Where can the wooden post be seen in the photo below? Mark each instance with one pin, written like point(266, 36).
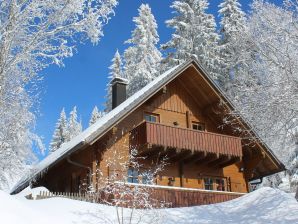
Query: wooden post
point(181, 173)
point(188, 119)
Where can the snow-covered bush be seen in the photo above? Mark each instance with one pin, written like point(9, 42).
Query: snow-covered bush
point(127, 185)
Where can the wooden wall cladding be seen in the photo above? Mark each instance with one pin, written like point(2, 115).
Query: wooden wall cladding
point(174, 98)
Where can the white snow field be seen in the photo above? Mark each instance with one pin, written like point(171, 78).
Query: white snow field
point(265, 205)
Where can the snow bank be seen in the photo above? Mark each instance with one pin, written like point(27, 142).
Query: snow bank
point(15, 211)
point(265, 205)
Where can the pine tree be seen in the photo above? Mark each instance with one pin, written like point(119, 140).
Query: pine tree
point(232, 26)
point(95, 115)
point(74, 127)
point(194, 36)
point(116, 71)
point(60, 135)
point(142, 58)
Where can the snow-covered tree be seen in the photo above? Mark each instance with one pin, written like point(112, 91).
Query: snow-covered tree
point(194, 35)
point(95, 115)
point(116, 71)
point(232, 26)
point(16, 137)
point(142, 58)
point(293, 158)
point(33, 35)
point(266, 89)
point(61, 134)
point(74, 126)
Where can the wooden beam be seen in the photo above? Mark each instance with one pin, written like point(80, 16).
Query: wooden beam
point(169, 153)
point(212, 108)
point(195, 157)
point(209, 158)
point(147, 150)
point(180, 156)
point(252, 164)
point(163, 152)
point(229, 162)
point(220, 160)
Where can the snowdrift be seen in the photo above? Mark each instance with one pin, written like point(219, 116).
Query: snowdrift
point(265, 205)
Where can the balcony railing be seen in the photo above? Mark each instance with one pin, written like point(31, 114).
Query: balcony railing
point(155, 134)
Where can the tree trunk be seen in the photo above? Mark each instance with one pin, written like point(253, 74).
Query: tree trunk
point(296, 196)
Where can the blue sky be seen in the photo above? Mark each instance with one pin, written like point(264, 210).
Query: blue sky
point(83, 80)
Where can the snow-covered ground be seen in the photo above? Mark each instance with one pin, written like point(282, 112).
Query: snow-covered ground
point(265, 205)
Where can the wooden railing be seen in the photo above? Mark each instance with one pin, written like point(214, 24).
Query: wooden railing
point(160, 195)
point(191, 197)
point(87, 197)
point(181, 138)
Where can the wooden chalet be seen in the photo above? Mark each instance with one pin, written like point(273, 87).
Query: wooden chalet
point(178, 116)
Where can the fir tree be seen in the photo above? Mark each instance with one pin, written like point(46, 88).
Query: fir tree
point(194, 35)
point(95, 115)
point(142, 58)
point(116, 71)
point(232, 26)
point(74, 126)
point(60, 135)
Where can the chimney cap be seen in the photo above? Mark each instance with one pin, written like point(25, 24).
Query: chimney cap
point(119, 80)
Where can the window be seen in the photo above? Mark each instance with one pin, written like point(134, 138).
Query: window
point(151, 117)
point(198, 126)
point(208, 182)
point(220, 184)
point(216, 183)
point(132, 175)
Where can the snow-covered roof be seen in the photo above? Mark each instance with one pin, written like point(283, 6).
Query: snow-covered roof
point(105, 123)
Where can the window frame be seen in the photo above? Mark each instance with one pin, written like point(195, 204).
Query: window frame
point(208, 185)
point(198, 124)
point(217, 183)
point(132, 177)
point(157, 117)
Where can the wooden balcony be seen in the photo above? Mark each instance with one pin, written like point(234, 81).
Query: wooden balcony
point(190, 144)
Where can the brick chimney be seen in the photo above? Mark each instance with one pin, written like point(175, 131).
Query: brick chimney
point(118, 91)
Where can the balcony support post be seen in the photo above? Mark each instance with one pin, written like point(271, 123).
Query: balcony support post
point(181, 172)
